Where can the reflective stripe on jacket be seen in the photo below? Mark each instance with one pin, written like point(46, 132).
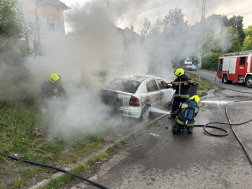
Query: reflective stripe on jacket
point(181, 111)
point(182, 89)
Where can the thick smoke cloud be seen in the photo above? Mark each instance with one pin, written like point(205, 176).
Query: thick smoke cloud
point(90, 57)
point(87, 60)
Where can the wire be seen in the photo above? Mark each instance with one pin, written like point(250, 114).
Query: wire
point(56, 168)
point(147, 9)
point(194, 12)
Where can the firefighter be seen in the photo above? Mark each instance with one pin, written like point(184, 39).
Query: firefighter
point(185, 117)
point(182, 90)
point(51, 89)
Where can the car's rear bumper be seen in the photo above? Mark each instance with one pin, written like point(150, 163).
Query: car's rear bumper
point(130, 111)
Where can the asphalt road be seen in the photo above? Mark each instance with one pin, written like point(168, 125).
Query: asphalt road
point(160, 159)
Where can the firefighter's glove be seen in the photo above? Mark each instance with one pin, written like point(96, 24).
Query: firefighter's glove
point(169, 86)
point(191, 82)
point(196, 83)
point(173, 83)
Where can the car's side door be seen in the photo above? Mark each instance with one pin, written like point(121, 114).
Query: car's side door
point(166, 93)
point(154, 93)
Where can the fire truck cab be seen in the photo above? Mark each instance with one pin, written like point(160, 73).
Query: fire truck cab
point(236, 67)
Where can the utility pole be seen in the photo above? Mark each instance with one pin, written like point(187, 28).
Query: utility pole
point(107, 2)
point(202, 33)
point(36, 40)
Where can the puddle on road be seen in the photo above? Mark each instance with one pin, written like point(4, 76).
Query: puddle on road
point(154, 135)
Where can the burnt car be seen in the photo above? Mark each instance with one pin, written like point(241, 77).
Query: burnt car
point(134, 95)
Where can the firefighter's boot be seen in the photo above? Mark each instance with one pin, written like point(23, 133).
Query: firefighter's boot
point(190, 129)
point(175, 129)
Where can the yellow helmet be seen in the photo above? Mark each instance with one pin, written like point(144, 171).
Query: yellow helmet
point(54, 77)
point(196, 98)
point(179, 72)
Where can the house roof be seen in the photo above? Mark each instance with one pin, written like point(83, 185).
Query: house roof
point(56, 3)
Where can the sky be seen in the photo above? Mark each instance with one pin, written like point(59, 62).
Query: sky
point(223, 7)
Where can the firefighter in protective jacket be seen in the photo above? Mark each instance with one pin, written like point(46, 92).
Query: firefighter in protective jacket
point(182, 90)
point(184, 118)
point(51, 89)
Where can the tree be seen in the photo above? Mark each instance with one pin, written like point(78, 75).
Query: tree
point(210, 60)
point(174, 18)
point(12, 29)
point(215, 22)
point(174, 23)
point(237, 23)
point(225, 40)
point(248, 31)
point(168, 41)
point(145, 32)
point(247, 44)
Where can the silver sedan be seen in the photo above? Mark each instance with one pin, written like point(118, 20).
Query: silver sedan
point(135, 95)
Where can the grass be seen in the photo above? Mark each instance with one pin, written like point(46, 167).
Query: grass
point(59, 182)
point(26, 139)
point(26, 174)
point(204, 84)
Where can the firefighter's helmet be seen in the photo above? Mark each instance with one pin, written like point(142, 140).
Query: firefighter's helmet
point(54, 77)
point(179, 72)
point(196, 98)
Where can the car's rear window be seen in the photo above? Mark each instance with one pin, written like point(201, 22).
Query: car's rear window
point(124, 85)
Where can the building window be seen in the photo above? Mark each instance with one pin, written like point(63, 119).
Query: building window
point(242, 61)
point(50, 25)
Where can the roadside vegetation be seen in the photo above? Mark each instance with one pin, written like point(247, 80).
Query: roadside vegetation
point(93, 161)
point(25, 139)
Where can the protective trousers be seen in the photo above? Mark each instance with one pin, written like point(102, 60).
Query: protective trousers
point(176, 103)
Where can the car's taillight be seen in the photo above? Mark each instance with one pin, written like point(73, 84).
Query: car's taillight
point(133, 101)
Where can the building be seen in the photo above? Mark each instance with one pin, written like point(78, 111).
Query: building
point(49, 15)
point(129, 36)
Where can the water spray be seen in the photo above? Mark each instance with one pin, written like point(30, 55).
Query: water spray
point(159, 111)
point(215, 102)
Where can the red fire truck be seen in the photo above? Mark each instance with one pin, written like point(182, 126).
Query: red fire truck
point(236, 67)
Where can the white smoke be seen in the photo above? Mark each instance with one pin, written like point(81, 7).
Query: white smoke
point(93, 54)
point(87, 60)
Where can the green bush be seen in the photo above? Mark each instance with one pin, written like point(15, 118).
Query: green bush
point(210, 61)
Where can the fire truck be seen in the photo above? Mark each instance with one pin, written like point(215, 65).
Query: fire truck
point(236, 67)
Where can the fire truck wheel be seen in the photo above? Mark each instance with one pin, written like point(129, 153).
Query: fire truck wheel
point(248, 82)
point(225, 80)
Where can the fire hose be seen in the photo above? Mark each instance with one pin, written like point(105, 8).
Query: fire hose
point(52, 167)
point(208, 125)
point(56, 168)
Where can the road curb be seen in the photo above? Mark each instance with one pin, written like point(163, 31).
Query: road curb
point(104, 148)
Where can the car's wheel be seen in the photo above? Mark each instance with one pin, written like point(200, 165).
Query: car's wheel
point(225, 80)
point(145, 113)
point(248, 81)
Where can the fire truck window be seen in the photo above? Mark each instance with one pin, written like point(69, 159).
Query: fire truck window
point(242, 61)
point(220, 66)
